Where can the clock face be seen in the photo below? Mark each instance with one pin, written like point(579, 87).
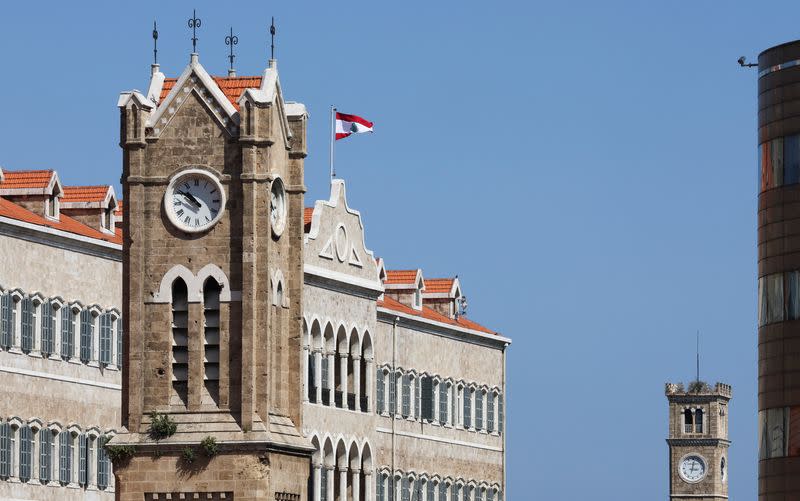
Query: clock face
point(693, 468)
point(194, 200)
point(277, 207)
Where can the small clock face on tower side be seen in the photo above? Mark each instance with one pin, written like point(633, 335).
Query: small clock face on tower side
point(194, 200)
point(692, 468)
point(277, 207)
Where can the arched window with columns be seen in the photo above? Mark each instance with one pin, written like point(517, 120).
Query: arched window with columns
point(367, 364)
point(340, 368)
point(328, 366)
point(354, 371)
point(688, 421)
point(180, 343)
point(211, 338)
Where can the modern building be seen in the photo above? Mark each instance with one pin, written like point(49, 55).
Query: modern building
point(698, 441)
point(263, 324)
point(779, 272)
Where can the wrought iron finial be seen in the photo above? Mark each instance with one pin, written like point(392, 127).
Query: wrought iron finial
point(231, 40)
point(744, 64)
point(272, 33)
point(194, 23)
point(155, 43)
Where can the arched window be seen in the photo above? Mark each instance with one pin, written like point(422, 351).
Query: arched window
point(406, 394)
point(380, 389)
point(6, 321)
point(105, 338)
point(425, 397)
point(27, 324)
point(490, 412)
point(83, 460)
point(180, 340)
point(67, 332)
point(698, 421)
point(6, 450)
point(87, 333)
point(211, 292)
point(47, 329)
point(45, 455)
point(479, 409)
point(468, 407)
point(392, 393)
point(722, 472)
point(688, 422)
point(443, 392)
point(25, 453)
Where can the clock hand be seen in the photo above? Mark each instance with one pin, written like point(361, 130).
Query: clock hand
point(190, 197)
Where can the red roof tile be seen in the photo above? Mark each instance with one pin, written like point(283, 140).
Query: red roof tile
point(232, 87)
point(401, 277)
point(23, 179)
point(430, 314)
point(84, 193)
point(439, 285)
point(308, 213)
point(65, 223)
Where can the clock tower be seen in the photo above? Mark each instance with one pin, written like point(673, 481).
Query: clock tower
point(698, 441)
point(212, 283)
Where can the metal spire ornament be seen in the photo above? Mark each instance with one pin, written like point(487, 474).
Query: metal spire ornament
point(155, 43)
point(231, 40)
point(194, 23)
point(272, 33)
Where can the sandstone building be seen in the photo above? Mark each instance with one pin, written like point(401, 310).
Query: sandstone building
point(240, 314)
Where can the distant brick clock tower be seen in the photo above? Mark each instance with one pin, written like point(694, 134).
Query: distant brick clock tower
point(698, 441)
point(213, 275)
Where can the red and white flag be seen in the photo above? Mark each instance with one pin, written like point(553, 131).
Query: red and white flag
point(351, 124)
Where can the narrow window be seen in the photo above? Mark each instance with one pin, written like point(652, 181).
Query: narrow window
point(443, 403)
point(456, 492)
point(380, 492)
point(479, 494)
point(429, 490)
point(105, 338)
point(468, 408)
point(87, 332)
point(417, 397)
point(775, 298)
point(25, 449)
point(379, 389)
point(762, 301)
point(45, 455)
point(688, 422)
point(392, 393)
point(490, 494)
point(418, 490)
point(47, 329)
point(65, 457)
point(6, 450)
point(791, 159)
point(426, 397)
point(6, 321)
point(325, 380)
point(793, 301)
point(103, 463)
point(442, 491)
point(722, 473)
point(119, 343)
point(479, 409)
point(405, 490)
point(698, 421)
point(323, 487)
point(27, 324)
point(406, 392)
point(490, 413)
point(776, 145)
point(83, 463)
point(67, 330)
point(500, 416)
point(311, 384)
point(180, 340)
point(211, 292)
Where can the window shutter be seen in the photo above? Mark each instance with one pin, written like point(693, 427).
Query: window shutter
point(405, 385)
point(379, 390)
point(390, 488)
point(45, 441)
point(64, 457)
point(86, 336)
point(467, 408)
point(119, 342)
point(427, 398)
point(378, 488)
point(102, 463)
point(5, 450)
point(323, 484)
point(67, 328)
point(27, 325)
point(417, 397)
point(443, 403)
point(47, 329)
point(479, 410)
point(404, 491)
point(490, 413)
point(6, 324)
point(325, 384)
point(442, 491)
point(25, 453)
point(500, 413)
point(105, 338)
point(429, 490)
point(392, 393)
point(82, 470)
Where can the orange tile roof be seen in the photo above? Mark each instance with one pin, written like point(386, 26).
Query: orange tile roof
point(65, 223)
point(430, 314)
point(23, 179)
point(232, 87)
point(401, 276)
point(439, 285)
point(84, 193)
point(308, 214)
point(118, 210)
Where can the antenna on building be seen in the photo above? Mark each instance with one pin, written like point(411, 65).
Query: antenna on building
point(744, 64)
point(194, 23)
point(231, 40)
point(698, 355)
point(272, 34)
point(155, 43)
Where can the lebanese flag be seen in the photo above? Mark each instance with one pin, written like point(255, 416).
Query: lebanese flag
point(350, 124)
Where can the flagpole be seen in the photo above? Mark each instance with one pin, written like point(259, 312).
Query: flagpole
point(333, 139)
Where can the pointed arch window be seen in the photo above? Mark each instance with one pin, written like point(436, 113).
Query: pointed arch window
point(180, 340)
point(688, 421)
point(211, 293)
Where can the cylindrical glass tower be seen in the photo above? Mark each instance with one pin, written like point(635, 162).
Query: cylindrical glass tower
point(779, 272)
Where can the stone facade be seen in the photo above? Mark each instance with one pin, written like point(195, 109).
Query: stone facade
point(698, 428)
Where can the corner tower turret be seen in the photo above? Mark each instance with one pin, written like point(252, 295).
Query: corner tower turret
point(213, 190)
point(698, 441)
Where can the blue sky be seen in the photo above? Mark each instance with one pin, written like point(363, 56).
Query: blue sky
point(587, 168)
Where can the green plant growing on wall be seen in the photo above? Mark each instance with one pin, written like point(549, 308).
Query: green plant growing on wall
point(210, 446)
point(161, 426)
point(120, 453)
point(188, 454)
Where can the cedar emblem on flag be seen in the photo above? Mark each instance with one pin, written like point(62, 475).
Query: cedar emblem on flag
point(351, 124)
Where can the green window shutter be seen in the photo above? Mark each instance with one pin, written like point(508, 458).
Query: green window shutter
point(6, 321)
point(27, 325)
point(379, 390)
point(45, 448)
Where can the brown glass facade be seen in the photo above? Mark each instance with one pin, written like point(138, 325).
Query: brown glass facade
point(779, 272)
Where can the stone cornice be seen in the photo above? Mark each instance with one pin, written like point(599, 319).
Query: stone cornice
point(699, 442)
